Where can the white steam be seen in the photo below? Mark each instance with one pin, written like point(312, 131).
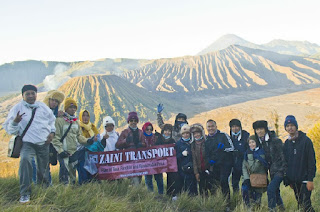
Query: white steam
point(59, 77)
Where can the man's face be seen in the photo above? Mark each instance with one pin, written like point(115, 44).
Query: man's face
point(235, 129)
point(261, 132)
point(291, 128)
point(29, 96)
point(53, 103)
point(71, 110)
point(133, 123)
point(211, 127)
point(85, 117)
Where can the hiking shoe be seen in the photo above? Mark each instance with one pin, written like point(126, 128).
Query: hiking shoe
point(174, 198)
point(24, 199)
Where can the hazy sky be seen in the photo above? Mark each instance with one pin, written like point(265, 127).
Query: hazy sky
point(71, 30)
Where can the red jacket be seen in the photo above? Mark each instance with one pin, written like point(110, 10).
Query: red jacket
point(122, 140)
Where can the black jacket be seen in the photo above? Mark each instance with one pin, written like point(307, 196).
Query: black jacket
point(240, 148)
point(219, 155)
point(274, 155)
point(300, 157)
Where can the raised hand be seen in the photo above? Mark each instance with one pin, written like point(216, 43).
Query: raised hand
point(160, 108)
point(18, 118)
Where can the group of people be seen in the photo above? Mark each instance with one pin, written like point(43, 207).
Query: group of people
point(205, 161)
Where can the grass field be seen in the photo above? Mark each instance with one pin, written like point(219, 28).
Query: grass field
point(121, 196)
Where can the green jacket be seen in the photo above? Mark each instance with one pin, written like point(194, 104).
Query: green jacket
point(73, 138)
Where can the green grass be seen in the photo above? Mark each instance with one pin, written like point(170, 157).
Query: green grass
point(121, 196)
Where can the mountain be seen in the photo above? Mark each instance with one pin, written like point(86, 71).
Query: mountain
point(226, 41)
point(298, 48)
point(51, 75)
point(111, 95)
point(224, 71)
point(292, 47)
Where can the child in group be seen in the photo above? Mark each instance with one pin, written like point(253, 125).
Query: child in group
point(185, 163)
point(254, 163)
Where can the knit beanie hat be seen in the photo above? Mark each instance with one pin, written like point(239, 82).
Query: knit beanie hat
point(235, 122)
point(132, 115)
point(108, 120)
point(146, 125)
point(253, 137)
point(68, 102)
point(260, 124)
point(185, 128)
point(54, 94)
point(290, 119)
point(29, 87)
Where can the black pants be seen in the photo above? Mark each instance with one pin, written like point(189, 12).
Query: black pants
point(204, 184)
point(303, 196)
point(172, 183)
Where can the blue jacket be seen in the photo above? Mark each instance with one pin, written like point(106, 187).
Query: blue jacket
point(183, 160)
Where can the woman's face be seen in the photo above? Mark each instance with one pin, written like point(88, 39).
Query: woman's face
point(186, 135)
point(148, 130)
point(167, 133)
point(85, 117)
point(53, 103)
point(252, 144)
point(197, 135)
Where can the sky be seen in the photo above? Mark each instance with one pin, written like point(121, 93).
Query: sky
point(77, 30)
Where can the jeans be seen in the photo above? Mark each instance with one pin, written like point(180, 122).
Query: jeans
point(41, 154)
point(63, 172)
point(303, 196)
point(34, 172)
point(159, 180)
point(250, 195)
point(83, 175)
point(273, 192)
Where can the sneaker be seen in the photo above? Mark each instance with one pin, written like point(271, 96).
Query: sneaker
point(174, 198)
point(24, 199)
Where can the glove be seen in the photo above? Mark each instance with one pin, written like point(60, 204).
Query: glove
point(90, 141)
point(64, 154)
point(286, 181)
point(185, 153)
point(220, 145)
point(212, 162)
point(129, 139)
point(207, 172)
point(160, 108)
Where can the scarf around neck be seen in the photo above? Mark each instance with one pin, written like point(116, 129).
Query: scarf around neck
point(88, 127)
point(69, 119)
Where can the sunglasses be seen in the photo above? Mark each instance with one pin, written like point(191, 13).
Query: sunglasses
point(149, 129)
point(133, 120)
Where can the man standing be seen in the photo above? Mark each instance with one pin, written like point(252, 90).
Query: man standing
point(239, 139)
point(272, 146)
point(36, 139)
point(300, 157)
point(219, 148)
